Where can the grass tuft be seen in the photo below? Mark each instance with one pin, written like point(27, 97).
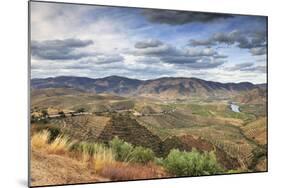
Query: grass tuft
point(40, 140)
point(102, 156)
point(60, 145)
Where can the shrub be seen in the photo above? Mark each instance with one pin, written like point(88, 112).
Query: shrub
point(235, 171)
point(122, 150)
point(62, 114)
point(126, 152)
point(191, 163)
point(33, 119)
point(54, 132)
point(45, 113)
point(159, 161)
point(80, 110)
point(142, 155)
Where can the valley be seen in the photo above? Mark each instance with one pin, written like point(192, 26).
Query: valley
point(158, 119)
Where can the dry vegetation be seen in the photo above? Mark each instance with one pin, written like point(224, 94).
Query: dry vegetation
point(123, 171)
point(52, 169)
point(69, 150)
point(256, 130)
point(63, 162)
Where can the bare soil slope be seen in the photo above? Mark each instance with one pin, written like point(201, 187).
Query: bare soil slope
point(55, 169)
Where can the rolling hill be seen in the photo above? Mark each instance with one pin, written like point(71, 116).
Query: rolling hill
point(166, 87)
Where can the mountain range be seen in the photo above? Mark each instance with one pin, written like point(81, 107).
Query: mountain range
point(165, 87)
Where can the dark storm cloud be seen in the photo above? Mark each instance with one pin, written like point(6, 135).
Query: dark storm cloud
point(106, 61)
point(179, 59)
point(149, 48)
point(201, 42)
point(59, 49)
point(205, 65)
point(203, 52)
point(247, 67)
point(198, 62)
point(103, 59)
point(172, 17)
point(193, 58)
point(254, 41)
point(148, 44)
point(97, 60)
point(258, 51)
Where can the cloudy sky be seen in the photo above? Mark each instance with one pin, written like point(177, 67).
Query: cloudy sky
point(98, 41)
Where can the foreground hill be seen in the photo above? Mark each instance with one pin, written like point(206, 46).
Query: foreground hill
point(167, 87)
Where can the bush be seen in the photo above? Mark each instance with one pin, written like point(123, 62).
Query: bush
point(126, 152)
point(142, 155)
point(191, 163)
point(62, 114)
point(122, 150)
point(159, 161)
point(80, 110)
point(45, 114)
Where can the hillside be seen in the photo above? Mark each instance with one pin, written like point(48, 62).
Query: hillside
point(165, 88)
point(159, 115)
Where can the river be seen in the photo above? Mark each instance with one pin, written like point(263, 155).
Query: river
point(234, 107)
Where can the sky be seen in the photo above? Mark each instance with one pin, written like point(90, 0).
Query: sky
point(101, 41)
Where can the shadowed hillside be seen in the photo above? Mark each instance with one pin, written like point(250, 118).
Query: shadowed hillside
point(131, 131)
point(167, 87)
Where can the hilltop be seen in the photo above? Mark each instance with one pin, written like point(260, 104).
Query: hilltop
point(165, 88)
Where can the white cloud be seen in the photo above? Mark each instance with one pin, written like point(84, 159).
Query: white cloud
point(114, 49)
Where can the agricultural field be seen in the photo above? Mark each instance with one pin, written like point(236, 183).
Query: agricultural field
point(237, 141)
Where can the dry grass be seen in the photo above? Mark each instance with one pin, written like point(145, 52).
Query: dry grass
point(122, 171)
point(56, 162)
point(40, 140)
point(51, 169)
point(102, 157)
point(261, 165)
point(60, 145)
point(257, 130)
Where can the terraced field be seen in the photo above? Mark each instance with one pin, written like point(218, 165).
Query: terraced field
point(239, 139)
point(240, 135)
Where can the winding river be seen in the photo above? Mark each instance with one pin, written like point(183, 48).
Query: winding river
point(234, 107)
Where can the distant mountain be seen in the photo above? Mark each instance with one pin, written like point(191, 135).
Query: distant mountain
point(111, 84)
point(262, 86)
point(257, 95)
point(166, 87)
